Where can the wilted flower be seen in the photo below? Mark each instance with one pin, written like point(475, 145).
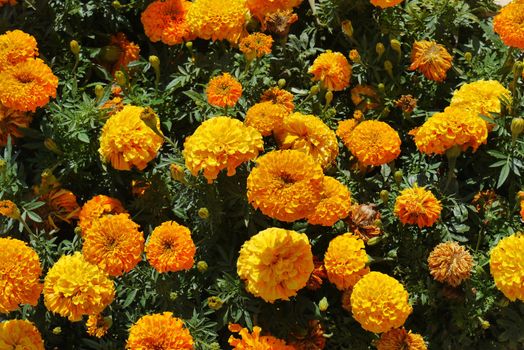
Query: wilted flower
point(431, 59)
point(450, 263)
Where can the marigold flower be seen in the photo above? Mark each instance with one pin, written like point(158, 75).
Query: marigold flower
point(406, 103)
point(223, 91)
point(385, 3)
point(450, 263)
point(97, 207)
point(10, 123)
point(316, 279)
point(20, 334)
point(280, 97)
point(10, 209)
point(354, 56)
point(417, 206)
point(279, 22)
point(285, 185)
point(159, 331)
point(275, 263)
point(363, 220)
point(129, 51)
point(507, 24)
point(127, 141)
point(345, 127)
point(220, 143)
point(266, 117)
point(15, 47)
point(310, 135)
point(166, 21)
point(364, 97)
point(314, 338)
point(170, 248)
point(431, 59)
point(261, 8)
point(334, 203)
point(60, 204)
point(73, 288)
point(332, 69)
point(374, 143)
point(7, 2)
point(400, 339)
point(20, 272)
point(346, 260)
point(507, 266)
point(27, 85)
point(217, 19)
point(254, 340)
point(97, 325)
point(379, 303)
point(256, 45)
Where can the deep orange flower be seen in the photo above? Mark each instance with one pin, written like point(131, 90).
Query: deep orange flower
point(15, 47)
point(364, 97)
point(261, 8)
point(129, 51)
point(20, 334)
point(431, 59)
point(417, 206)
point(7, 2)
point(400, 339)
point(508, 24)
point(280, 97)
point(450, 263)
point(332, 69)
point(61, 204)
point(345, 127)
point(385, 3)
point(256, 45)
point(374, 143)
point(266, 117)
point(334, 205)
point(10, 122)
point(254, 340)
point(97, 325)
point(223, 91)
point(160, 332)
point(166, 21)
point(95, 208)
point(279, 22)
point(8, 208)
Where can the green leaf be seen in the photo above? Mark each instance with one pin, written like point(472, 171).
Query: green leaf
point(504, 172)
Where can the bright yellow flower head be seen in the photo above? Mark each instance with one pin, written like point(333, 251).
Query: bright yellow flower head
point(261, 8)
point(266, 117)
point(10, 123)
point(346, 260)
point(400, 339)
point(97, 207)
point(450, 263)
point(15, 47)
point(385, 3)
point(374, 143)
point(310, 135)
point(160, 332)
point(74, 288)
point(127, 141)
point(20, 334)
point(379, 303)
point(431, 59)
point(275, 263)
point(334, 205)
point(417, 206)
point(166, 21)
point(223, 91)
point(332, 69)
point(508, 24)
point(507, 266)
point(251, 341)
point(256, 45)
point(20, 272)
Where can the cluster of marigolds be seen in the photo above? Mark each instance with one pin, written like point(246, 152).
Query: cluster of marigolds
point(275, 263)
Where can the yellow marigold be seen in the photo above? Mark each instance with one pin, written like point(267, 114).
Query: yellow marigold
point(332, 69)
point(364, 97)
point(159, 331)
point(508, 24)
point(346, 260)
point(452, 127)
point(97, 325)
point(256, 45)
point(114, 243)
point(254, 340)
point(334, 203)
point(310, 135)
point(73, 288)
point(280, 97)
point(27, 85)
point(431, 59)
point(266, 117)
point(170, 248)
point(10, 123)
point(166, 21)
point(97, 207)
point(10, 209)
point(223, 91)
point(374, 143)
point(417, 206)
point(129, 51)
point(385, 3)
point(379, 303)
point(127, 141)
point(275, 263)
point(400, 339)
point(345, 127)
point(451, 263)
point(20, 334)
point(285, 185)
point(507, 266)
point(217, 19)
point(220, 143)
point(20, 272)
point(261, 8)
point(15, 47)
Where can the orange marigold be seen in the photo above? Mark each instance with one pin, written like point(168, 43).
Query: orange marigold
point(10, 209)
point(417, 206)
point(345, 127)
point(506, 264)
point(431, 59)
point(279, 22)
point(159, 331)
point(20, 272)
point(334, 203)
point(97, 325)
point(385, 3)
point(170, 248)
point(266, 117)
point(10, 123)
point(285, 185)
point(451, 263)
point(60, 204)
point(27, 85)
point(261, 8)
point(97, 207)
point(223, 91)
point(280, 97)
point(400, 339)
point(7, 2)
point(332, 69)
point(254, 340)
point(364, 97)
point(129, 51)
point(20, 334)
point(221, 143)
point(114, 243)
point(508, 24)
point(374, 143)
point(15, 47)
point(256, 45)
point(166, 21)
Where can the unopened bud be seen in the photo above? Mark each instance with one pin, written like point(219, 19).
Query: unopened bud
point(384, 196)
point(484, 324)
point(99, 91)
point(173, 296)
point(518, 67)
point(202, 266)
point(468, 56)
point(189, 45)
point(517, 127)
point(396, 46)
point(117, 5)
point(323, 304)
point(281, 83)
point(314, 90)
point(355, 56)
point(78, 231)
point(120, 78)
point(214, 302)
point(203, 213)
point(388, 66)
point(329, 97)
point(380, 49)
point(155, 62)
point(3, 163)
point(381, 88)
point(347, 28)
point(75, 47)
point(374, 240)
point(398, 175)
point(57, 330)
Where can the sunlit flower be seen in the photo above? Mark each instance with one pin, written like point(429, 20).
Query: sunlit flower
point(10, 209)
point(10, 123)
point(508, 24)
point(450, 263)
point(507, 266)
point(20, 334)
point(266, 117)
point(279, 97)
point(400, 339)
point(385, 3)
point(97, 325)
point(95, 208)
point(255, 340)
point(15, 47)
point(256, 45)
point(223, 91)
point(166, 21)
point(431, 59)
point(364, 97)
point(159, 332)
point(418, 206)
point(332, 69)
point(334, 204)
point(345, 127)
point(129, 51)
point(279, 22)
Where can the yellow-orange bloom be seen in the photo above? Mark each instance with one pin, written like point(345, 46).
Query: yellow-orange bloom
point(20, 272)
point(15, 47)
point(223, 91)
point(279, 22)
point(374, 143)
point(170, 248)
point(310, 135)
point(221, 143)
point(364, 97)
point(97, 325)
point(20, 334)
point(332, 69)
point(127, 140)
point(508, 24)
point(275, 263)
point(379, 303)
point(27, 85)
point(73, 288)
point(345, 127)
point(159, 331)
point(417, 206)
point(261, 8)
point(166, 21)
point(10, 209)
point(431, 59)
point(10, 123)
point(400, 339)
point(97, 207)
point(266, 117)
point(450, 263)
point(385, 3)
point(280, 97)
point(346, 260)
point(285, 185)
point(506, 263)
point(256, 45)
point(129, 51)
point(334, 204)
point(254, 340)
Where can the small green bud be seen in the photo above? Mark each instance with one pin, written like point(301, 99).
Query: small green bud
point(57, 330)
point(202, 266)
point(155, 62)
point(388, 66)
point(374, 240)
point(99, 91)
point(517, 69)
point(75, 47)
point(173, 296)
point(214, 302)
point(281, 83)
point(177, 172)
point(380, 49)
point(214, 346)
point(120, 78)
point(323, 304)
point(517, 127)
point(203, 213)
point(117, 5)
point(381, 88)
point(398, 175)
point(314, 90)
point(52, 146)
point(468, 56)
point(189, 45)
point(395, 45)
point(3, 163)
point(329, 97)
point(78, 231)
point(384, 196)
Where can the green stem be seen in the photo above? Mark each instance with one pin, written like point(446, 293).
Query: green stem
point(28, 229)
point(479, 239)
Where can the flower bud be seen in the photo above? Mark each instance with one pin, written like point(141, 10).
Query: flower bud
point(173, 296)
point(99, 91)
point(347, 28)
point(381, 88)
point(155, 62)
point(120, 78)
point(323, 304)
point(203, 213)
point(484, 324)
point(468, 56)
point(517, 127)
point(396, 46)
point(177, 172)
point(355, 56)
point(189, 45)
point(3, 163)
point(202, 266)
point(384, 196)
point(329, 97)
point(314, 90)
point(398, 175)
point(117, 5)
point(380, 49)
point(518, 67)
point(57, 330)
point(75, 47)
point(78, 231)
point(281, 83)
point(388, 66)
point(214, 346)
point(214, 302)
